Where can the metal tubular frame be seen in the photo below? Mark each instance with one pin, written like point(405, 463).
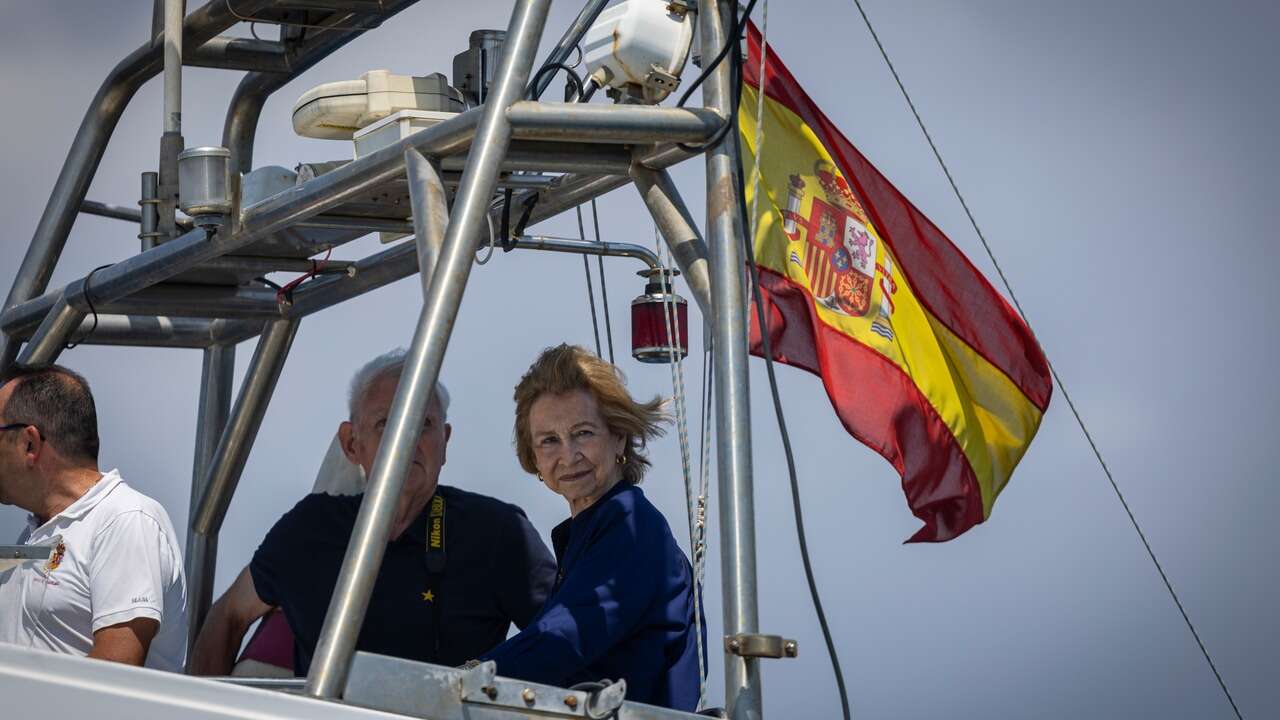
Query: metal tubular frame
point(430, 213)
point(216, 377)
point(586, 247)
point(50, 338)
point(599, 148)
point(241, 124)
point(116, 212)
point(86, 152)
point(227, 463)
point(581, 123)
point(332, 659)
point(175, 11)
point(305, 202)
point(153, 331)
point(743, 696)
point(676, 224)
point(350, 600)
point(234, 53)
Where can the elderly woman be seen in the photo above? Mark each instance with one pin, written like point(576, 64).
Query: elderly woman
point(622, 605)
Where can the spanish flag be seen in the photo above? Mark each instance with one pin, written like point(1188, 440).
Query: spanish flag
point(923, 360)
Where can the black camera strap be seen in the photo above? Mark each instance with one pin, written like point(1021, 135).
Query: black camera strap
point(436, 560)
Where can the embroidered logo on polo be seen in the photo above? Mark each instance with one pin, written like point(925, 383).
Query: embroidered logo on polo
point(55, 559)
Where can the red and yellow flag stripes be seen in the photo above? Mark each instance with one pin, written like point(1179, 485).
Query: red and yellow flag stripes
point(923, 360)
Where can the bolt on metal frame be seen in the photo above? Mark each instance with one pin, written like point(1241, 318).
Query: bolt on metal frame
point(596, 148)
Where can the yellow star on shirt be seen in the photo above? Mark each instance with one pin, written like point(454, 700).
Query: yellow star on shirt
point(428, 596)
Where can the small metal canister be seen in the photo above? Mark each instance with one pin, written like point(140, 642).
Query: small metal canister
point(203, 184)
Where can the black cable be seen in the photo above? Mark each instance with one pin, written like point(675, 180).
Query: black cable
point(730, 42)
point(735, 66)
point(88, 298)
point(568, 71)
point(604, 288)
point(591, 294)
point(710, 67)
point(274, 286)
point(593, 687)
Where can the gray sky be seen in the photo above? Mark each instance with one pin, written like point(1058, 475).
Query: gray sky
point(1121, 159)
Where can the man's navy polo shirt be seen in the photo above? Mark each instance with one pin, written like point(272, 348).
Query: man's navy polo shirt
point(622, 607)
point(497, 572)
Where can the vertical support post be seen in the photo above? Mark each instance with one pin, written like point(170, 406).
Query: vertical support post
point(369, 538)
point(430, 212)
point(171, 142)
point(228, 462)
point(674, 221)
point(216, 377)
point(733, 412)
point(149, 224)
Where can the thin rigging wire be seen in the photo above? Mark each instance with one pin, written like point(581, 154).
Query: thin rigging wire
point(591, 294)
point(604, 288)
point(735, 67)
point(676, 360)
point(1056, 378)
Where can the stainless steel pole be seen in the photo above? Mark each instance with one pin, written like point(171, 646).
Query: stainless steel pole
point(174, 12)
point(430, 212)
point(91, 141)
point(422, 368)
point(676, 224)
point(582, 123)
point(228, 462)
point(51, 337)
point(587, 247)
point(171, 142)
point(216, 377)
point(733, 410)
point(146, 331)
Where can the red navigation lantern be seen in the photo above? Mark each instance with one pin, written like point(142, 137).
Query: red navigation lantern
point(658, 309)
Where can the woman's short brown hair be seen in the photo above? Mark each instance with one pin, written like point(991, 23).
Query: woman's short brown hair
point(566, 368)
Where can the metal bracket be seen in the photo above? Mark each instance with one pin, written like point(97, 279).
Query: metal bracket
point(659, 81)
point(681, 7)
point(477, 683)
point(480, 686)
point(760, 646)
point(604, 703)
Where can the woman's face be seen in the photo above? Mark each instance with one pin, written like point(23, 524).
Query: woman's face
point(576, 454)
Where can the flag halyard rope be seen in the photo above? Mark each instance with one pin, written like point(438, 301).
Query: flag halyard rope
point(749, 233)
point(671, 321)
point(591, 295)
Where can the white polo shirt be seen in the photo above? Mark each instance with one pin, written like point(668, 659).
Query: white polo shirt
point(116, 559)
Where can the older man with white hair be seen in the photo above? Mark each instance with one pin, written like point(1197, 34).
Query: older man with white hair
point(460, 567)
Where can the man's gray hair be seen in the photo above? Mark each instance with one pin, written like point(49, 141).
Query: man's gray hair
point(388, 364)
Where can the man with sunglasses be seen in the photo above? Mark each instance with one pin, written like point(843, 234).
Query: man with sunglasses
point(113, 587)
point(459, 570)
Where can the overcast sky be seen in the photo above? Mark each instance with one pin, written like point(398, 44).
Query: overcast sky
point(1120, 157)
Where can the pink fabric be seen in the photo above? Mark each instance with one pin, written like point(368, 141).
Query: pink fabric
point(272, 642)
